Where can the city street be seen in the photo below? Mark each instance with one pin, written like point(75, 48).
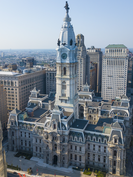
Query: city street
point(9, 174)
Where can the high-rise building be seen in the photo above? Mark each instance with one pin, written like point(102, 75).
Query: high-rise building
point(95, 57)
point(81, 57)
point(18, 87)
point(3, 166)
point(3, 107)
point(93, 76)
point(114, 71)
point(50, 80)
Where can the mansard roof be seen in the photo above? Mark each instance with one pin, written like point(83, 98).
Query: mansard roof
point(77, 134)
point(116, 133)
point(116, 46)
point(116, 125)
point(15, 111)
point(119, 112)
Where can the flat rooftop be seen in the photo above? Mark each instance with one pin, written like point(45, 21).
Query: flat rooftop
point(48, 99)
point(9, 73)
point(79, 124)
point(31, 119)
point(99, 126)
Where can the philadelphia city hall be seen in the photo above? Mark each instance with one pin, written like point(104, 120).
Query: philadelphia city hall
point(52, 129)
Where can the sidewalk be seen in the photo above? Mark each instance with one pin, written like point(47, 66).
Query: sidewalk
point(42, 164)
point(21, 162)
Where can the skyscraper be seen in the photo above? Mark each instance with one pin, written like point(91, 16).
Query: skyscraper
point(95, 58)
point(81, 57)
point(114, 71)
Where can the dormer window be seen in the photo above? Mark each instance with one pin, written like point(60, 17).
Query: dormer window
point(105, 141)
point(88, 137)
point(115, 140)
point(75, 138)
point(80, 139)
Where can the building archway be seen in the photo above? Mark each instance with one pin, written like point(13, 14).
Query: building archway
point(55, 159)
point(81, 112)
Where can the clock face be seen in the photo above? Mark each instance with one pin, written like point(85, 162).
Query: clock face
point(64, 56)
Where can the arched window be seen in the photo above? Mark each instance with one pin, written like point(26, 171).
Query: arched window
point(99, 140)
point(64, 70)
point(71, 42)
point(54, 126)
point(63, 85)
point(55, 147)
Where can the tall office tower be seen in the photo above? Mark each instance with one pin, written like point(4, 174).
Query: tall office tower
point(93, 76)
point(3, 107)
point(129, 76)
point(81, 57)
point(66, 65)
point(50, 80)
point(18, 86)
point(114, 71)
point(95, 57)
point(3, 166)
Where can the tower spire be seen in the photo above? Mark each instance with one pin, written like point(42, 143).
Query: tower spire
point(66, 7)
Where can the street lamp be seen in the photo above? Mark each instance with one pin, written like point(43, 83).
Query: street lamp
point(20, 163)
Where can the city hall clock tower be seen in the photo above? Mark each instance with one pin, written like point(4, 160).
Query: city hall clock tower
point(66, 65)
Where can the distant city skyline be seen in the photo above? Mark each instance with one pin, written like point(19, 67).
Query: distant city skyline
point(36, 24)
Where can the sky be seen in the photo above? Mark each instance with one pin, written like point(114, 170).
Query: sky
point(36, 24)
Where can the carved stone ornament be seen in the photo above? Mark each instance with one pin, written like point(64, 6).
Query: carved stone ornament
point(46, 135)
